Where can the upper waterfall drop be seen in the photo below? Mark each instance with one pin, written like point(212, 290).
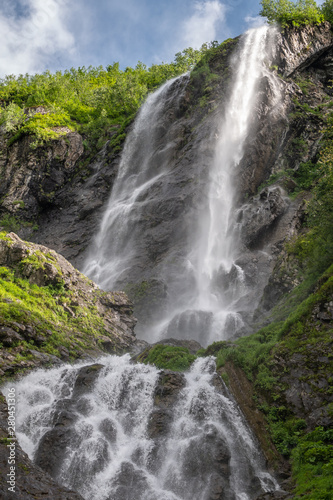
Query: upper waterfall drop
point(175, 230)
point(114, 248)
point(217, 250)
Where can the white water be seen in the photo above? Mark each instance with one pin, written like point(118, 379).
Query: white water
point(205, 286)
point(217, 243)
point(110, 454)
point(211, 313)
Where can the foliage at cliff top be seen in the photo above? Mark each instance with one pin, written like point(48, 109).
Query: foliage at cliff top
point(93, 101)
point(303, 12)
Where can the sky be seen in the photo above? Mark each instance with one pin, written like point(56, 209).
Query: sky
point(40, 35)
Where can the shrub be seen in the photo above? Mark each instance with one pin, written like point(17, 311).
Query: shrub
point(327, 10)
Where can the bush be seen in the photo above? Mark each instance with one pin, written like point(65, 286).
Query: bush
point(90, 100)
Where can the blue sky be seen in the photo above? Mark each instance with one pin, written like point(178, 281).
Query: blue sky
point(57, 34)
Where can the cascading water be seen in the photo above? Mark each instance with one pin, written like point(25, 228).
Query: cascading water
point(97, 420)
point(203, 283)
point(114, 250)
point(220, 281)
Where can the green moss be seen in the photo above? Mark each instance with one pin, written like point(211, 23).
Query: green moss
point(19, 203)
point(4, 237)
point(168, 357)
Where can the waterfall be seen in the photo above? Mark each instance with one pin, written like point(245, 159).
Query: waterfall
point(89, 426)
point(114, 249)
point(194, 262)
point(220, 282)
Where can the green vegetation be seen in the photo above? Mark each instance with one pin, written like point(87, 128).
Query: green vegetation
point(168, 357)
point(327, 9)
point(9, 223)
point(312, 461)
point(296, 330)
point(97, 102)
point(42, 307)
point(204, 73)
point(288, 13)
point(51, 311)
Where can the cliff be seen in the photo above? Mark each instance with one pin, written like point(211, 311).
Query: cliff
point(55, 195)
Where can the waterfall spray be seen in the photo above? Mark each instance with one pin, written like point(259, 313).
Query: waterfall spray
point(114, 251)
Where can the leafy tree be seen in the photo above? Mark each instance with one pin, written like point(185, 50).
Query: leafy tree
point(12, 117)
point(327, 10)
point(287, 13)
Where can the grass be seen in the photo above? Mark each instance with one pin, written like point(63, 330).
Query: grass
point(45, 309)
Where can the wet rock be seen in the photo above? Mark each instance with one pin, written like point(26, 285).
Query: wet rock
point(86, 379)
point(129, 483)
point(190, 324)
point(256, 219)
point(108, 428)
point(275, 495)
point(31, 482)
point(53, 448)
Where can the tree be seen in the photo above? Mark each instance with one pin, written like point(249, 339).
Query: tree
point(287, 13)
point(327, 10)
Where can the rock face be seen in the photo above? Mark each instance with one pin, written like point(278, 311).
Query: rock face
point(298, 48)
point(111, 324)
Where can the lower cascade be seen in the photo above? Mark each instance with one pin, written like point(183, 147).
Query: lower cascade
point(117, 430)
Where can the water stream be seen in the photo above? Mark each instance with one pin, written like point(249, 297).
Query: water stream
point(93, 436)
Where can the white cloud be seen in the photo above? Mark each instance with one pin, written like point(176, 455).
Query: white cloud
point(28, 43)
point(202, 26)
point(255, 22)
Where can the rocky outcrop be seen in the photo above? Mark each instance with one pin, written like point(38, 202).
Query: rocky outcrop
point(31, 178)
point(54, 192)
point(298, 48)
point(27, 337)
